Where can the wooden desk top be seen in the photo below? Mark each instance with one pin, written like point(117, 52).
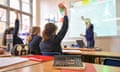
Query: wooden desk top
point(81, 49)
point(96, 53)
point(5, 54)
point(103, 54)
point(1, 46)
point(19, 65)
point(48, 67)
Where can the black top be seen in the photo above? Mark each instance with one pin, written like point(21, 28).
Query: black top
point(90, 33)
point(54, 44)
point(34, 44)
point(16, 39)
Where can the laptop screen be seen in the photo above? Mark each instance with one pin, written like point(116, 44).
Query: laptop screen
point(80, 43)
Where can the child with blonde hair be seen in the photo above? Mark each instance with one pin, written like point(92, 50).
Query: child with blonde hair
point(34, 39)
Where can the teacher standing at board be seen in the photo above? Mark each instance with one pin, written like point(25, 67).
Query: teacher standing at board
point(89, 35)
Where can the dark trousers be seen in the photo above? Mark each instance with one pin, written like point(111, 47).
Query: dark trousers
point(90, 44)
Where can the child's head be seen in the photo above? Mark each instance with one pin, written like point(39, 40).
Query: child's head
point(7, 31)
point(49, 30)
point(33, 32)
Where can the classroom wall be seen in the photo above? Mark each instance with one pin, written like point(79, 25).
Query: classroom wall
point(108, 43)
point(105, 43)
point(118, 14)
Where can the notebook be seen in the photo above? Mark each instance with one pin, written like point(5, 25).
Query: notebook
point(68, 62)
point(6, 61)
point(39, 58)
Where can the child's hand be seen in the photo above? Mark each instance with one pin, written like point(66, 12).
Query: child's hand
point(16, 12)
point(62, 6)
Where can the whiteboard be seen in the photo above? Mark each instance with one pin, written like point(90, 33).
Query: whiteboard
point(102, 15)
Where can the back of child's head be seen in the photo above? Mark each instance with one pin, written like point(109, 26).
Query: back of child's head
point(49, 30)
point(33, 32)
point(7, 31)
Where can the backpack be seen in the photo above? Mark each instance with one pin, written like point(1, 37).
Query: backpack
point(20, 50)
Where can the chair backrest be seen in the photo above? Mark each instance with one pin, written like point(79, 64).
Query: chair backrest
point(80, 43)
point(51, 53)
point(112, 62)
point(20, 50)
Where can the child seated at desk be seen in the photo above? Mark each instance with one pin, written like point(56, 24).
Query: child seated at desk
point(51, 41)
point(14, 31)
point(34, 40)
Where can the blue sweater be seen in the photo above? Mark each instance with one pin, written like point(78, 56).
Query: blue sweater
point(54, 44)
point(34, 45)
point(90, 33)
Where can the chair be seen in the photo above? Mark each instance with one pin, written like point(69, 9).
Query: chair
point(112, 62)
point(50, 53)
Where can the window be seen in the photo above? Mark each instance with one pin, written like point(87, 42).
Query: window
point(12, 18)
point(2, 15)
point(7, 8)
point(26, 4)
point(7, 14)
point(15, 4)
point(2, 20)
point(3, 2)
point(25, 23)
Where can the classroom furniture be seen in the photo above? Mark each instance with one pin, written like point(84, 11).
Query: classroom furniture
point(81, 49)
point(80, 43)
point(6, 54)
point(97, 53)
point(2, 46)
point(50, 53)
point(89, 55)
point(48, 67)
point(19, 65)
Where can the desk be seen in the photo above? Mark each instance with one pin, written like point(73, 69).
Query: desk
point(48, 67)
point(5, 54)
point(3, 46)
point(91, 55)
point(97, 53)
point(81, 49)
point(19, 65)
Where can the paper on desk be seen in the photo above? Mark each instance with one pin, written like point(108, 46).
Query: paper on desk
point(6, 61)
point(71, 51)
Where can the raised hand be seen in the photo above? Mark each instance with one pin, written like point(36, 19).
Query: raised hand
point(62, 6)
point(16, 12)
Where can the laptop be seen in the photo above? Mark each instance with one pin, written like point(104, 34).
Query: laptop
point(68, 62)
point(80, 43)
